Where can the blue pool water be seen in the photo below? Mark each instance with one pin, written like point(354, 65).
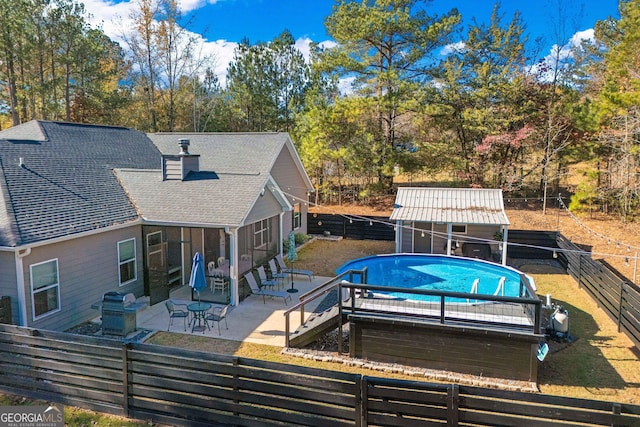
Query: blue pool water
point(435, 272)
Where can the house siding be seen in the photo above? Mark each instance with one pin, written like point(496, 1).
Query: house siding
point(87, 268)
point(8, 282)
point(265, 207)
point(288, 177)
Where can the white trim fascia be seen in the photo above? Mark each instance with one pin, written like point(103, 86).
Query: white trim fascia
point(187, 224)
point(78, 235)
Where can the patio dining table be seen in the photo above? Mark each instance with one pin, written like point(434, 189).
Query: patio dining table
point(199, 310)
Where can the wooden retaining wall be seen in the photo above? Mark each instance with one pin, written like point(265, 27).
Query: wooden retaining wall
point(190, 388)
point(468, 350)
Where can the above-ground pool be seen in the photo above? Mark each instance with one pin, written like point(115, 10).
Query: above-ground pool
point(437, 272)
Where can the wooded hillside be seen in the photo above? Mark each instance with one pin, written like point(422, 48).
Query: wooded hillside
point(431, 100)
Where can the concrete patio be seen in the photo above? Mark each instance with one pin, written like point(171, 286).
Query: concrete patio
point(252, 320)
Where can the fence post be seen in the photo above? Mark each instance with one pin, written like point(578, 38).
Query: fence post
point(364, 401)
point(616, 410)
point(358, 404)
point(580, 271)
point(622, 290)
point(236, 389)
point(452, 404)
point(125, 378)
point(286, 329)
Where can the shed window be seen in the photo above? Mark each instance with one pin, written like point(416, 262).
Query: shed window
point(127, 261)
point(459, 228)
point(45, 288)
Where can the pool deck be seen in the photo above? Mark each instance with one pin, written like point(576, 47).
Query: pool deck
point(252, 320)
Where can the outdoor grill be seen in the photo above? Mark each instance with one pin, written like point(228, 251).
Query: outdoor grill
point(119, 313)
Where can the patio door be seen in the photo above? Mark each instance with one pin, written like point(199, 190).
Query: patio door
point(155, 261)
point(163, 261)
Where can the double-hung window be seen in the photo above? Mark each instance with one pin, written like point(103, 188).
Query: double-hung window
point(127, 261)
point(261, 233)
point(45, 288)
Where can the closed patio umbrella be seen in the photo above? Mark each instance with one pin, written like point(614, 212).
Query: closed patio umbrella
point(292, 256)
point(197, 280)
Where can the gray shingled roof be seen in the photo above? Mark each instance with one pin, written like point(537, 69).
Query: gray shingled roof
point(67, 184)
point(233, 170)
point(204, 198)
point(450, 205)
point(249, 152)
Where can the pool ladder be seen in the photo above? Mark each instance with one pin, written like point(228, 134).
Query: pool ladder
point(499, 289)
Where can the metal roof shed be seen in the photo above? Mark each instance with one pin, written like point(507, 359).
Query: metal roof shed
point(480, 209)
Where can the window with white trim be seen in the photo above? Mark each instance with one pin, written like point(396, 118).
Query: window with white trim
point(45, 288)
point(127, 261)
point(261, 232)
point(297, 216)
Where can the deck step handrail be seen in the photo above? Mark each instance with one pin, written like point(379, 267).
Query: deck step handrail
point(318, 292)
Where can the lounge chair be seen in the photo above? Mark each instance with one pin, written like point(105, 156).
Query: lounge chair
point(275, 274)
point(256, 290)
point(285, 269)
point(264, 281)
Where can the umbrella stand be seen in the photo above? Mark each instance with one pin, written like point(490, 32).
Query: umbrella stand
point(292, 290)
point(292, 256)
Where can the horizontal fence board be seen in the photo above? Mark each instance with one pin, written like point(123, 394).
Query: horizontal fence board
point(392, 420)
point(528, 244)
point(38, 360)
point(29, 374)
point(537, 412)
point(351, 227)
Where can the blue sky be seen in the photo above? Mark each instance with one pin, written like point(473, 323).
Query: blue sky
point(221, 24)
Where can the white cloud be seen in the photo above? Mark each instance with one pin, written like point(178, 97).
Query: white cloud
point(559, 55)
point(457, 47)
point(115, 20)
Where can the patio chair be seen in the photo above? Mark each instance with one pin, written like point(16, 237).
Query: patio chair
point(177, 312)
point(264, 281)
point(285, 269)
point(275, 274)
point(216, 315)
point(256, 290)
point(219, 283)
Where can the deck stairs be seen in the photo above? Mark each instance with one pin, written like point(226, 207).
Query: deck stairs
point(316, 326)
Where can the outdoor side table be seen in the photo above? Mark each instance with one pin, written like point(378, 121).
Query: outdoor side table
point(199, 310)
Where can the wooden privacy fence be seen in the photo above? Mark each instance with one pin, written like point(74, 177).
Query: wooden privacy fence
point(619, 298)
point(351, 227)
point(190, 388)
